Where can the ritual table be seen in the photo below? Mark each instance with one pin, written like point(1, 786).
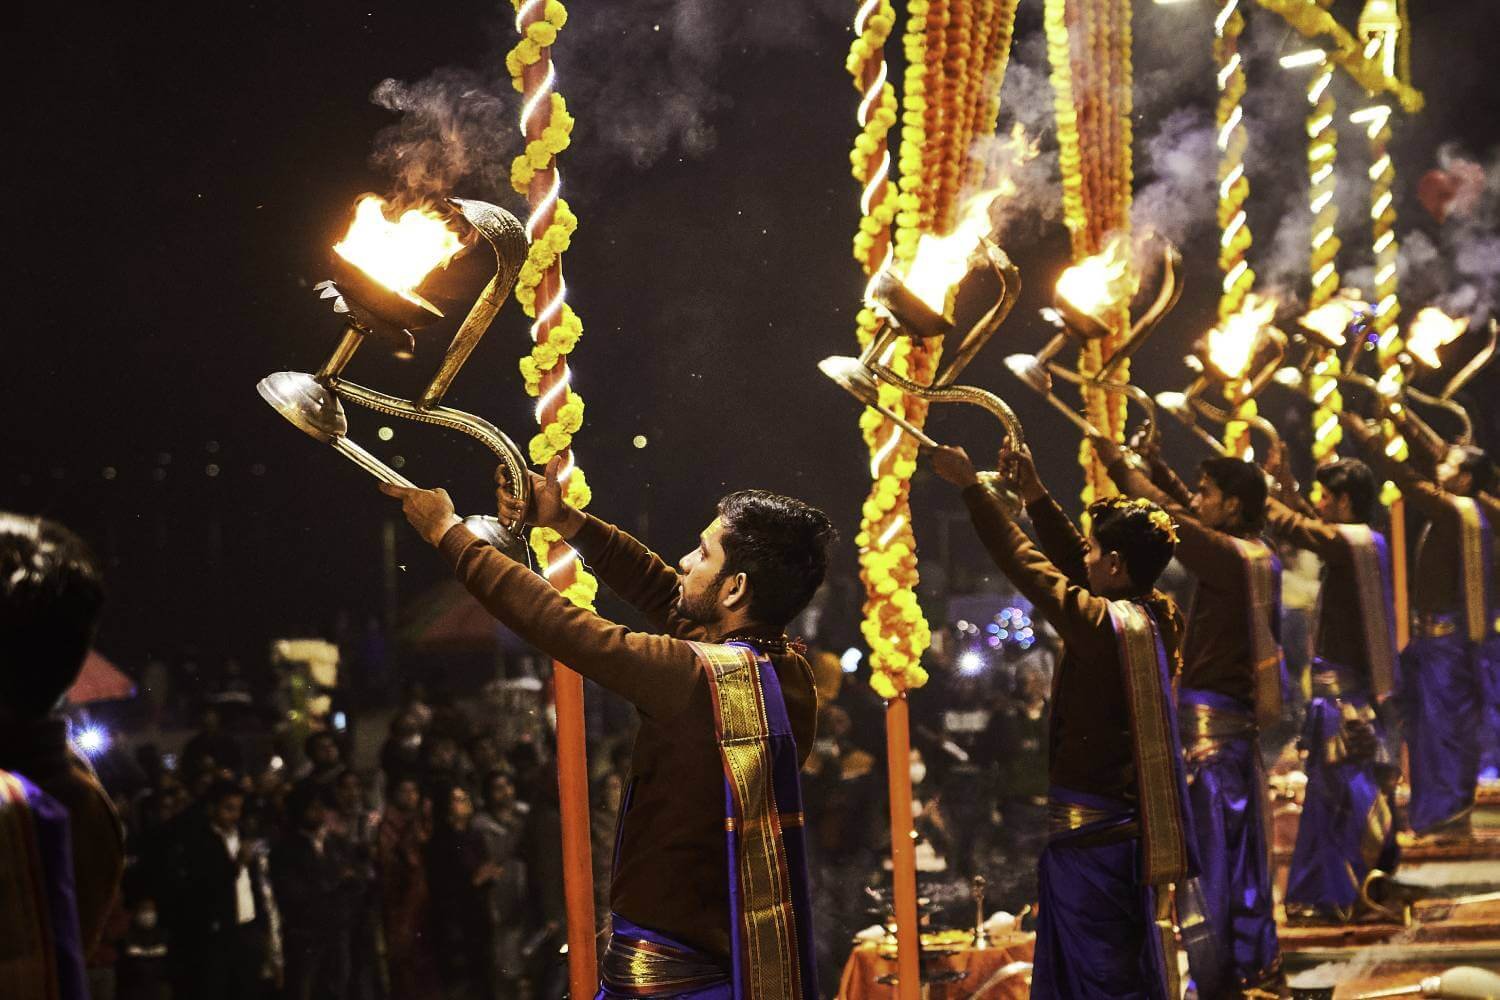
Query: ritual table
point(869, 963)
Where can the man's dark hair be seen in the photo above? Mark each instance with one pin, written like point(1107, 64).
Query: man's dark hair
point(1244, 482)
point(1479, 467)
point(781, 545)
point(1140, 531)
point(51, 591)
point(1352, 478)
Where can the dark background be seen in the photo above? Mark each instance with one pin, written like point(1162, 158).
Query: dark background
point(177, 173)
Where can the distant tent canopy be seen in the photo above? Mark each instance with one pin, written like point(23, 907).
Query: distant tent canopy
point(100, 680)
point(447, 619)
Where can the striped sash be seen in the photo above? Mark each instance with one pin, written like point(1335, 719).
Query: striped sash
point(1474, 537)
point(1263, 581)
point(1377, 612)
point(1158, 765)
point(768, 891)
point(41, 952)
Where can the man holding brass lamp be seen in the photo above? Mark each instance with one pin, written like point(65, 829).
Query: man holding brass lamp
point(1232, 679)
point(1117, 815)
point(728, 710)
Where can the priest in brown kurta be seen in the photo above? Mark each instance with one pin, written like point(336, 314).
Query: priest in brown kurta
point(1116, 799)
point(1346, 829)
point(1438, 688)
point(1231, 681)
point(754, 568)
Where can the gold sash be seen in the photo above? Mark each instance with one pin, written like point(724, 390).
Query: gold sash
point(1164, 843)
point(1373, 612)
point(28, 956)
point(1471, 555)
point(1265, 651)
point(768, 923)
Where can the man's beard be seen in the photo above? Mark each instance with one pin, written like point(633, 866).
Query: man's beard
point(699, 610)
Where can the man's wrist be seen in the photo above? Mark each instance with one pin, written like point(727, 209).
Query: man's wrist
point(436, 537)
point(572, 523)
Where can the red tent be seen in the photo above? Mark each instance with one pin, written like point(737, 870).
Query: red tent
point(448, 619)
point(100, 680)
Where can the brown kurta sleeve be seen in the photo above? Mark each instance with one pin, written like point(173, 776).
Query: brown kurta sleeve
point(1170, 483)
point(639, 576)
point(1059, 538)
point(1080, 618)
point(1310, 533)
point(656, 673)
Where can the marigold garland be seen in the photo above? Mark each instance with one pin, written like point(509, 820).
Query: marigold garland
point(1234, 189)
point(1089, 41)
point(1387, 305)
point(1322, 155)
point(539, 287)
point(1320, 27)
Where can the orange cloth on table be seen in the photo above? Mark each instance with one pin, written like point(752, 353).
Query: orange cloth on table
point(866, 965)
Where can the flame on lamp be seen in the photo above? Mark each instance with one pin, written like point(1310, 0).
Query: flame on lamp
point(1096, 282)
point(942, 261)
point(1330, 321)
point(1231, 346)
point(1431, 329)
point(400, 254)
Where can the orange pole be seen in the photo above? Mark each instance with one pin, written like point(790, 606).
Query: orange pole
point(1402, 601)
point(1398, 573)
point(577, 856)
point(903, 848)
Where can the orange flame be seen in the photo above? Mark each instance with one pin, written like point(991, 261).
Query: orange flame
point(942, 261)
point(1097, 282)
point(1431, 329)
point(1330, 320)
point(1232, 345)
point(400, 254)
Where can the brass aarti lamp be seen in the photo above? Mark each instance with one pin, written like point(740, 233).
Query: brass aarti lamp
point(378, 268)
point(906, 313)
point(1239, 357)
point(1085, 296)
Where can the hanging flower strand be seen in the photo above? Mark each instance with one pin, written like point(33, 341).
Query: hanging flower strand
point(540, 288)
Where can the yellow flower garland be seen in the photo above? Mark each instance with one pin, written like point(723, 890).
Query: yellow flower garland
point(1322, 155)
point(554, 341)
point(1320, 27)
point(1234, 189)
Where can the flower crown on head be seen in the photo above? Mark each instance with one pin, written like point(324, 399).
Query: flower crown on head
point(1160, 519)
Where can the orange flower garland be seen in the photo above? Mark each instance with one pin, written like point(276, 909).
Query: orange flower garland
point(1234, 189)
point(1090, 41)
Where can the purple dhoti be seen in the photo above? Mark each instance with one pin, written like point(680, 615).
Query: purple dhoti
point(42, 955)
point(1346, 828)
point(1489, 689)
point(1227, 921)
point(1438, 691)
point(1096, 932)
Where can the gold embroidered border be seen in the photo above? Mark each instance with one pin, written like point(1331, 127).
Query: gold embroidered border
point(1374, 614)
point(1164, 841)
point(1471, 551)
point(28, 960)
point(1265, 650)
point(770, 962)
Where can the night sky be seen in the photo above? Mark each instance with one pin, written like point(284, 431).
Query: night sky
point(180, 171)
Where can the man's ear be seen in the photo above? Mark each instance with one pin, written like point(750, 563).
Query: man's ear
point(738, 594)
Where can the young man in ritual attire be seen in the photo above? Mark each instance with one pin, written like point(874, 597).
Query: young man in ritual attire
point(1117, 811)
point(728, 710)
point(1347, 827)
point(1232, 679)
point(1438, 687)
